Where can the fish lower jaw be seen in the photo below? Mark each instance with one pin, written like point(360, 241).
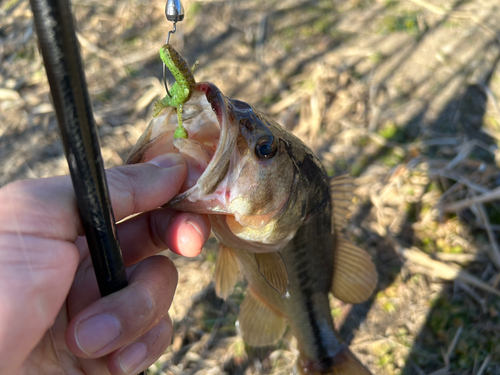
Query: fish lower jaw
point(225, 235)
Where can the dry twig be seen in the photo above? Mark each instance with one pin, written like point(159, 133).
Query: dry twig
point(495, 251)
point(457, 258)
point(484, 364)
point(452, 346)
point(449, 352)
point(468, 202)
point(435, 268)
point(458, 15)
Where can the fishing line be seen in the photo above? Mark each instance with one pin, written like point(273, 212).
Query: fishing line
point(174, 12)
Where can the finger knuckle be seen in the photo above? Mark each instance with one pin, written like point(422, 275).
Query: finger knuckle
point(170, 270)
point(122, 186)
point(11, 192)
point(148, 295)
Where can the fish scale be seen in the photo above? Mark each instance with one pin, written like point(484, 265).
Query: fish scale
point(306, 283)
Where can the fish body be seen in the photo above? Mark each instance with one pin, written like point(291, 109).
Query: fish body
point(277, 217)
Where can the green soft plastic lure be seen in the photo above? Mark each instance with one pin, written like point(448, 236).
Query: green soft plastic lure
point(182, 88)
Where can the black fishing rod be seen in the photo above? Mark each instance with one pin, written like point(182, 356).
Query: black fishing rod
point(58, 44)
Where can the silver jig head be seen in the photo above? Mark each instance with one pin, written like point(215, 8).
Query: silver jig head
point(174, 11)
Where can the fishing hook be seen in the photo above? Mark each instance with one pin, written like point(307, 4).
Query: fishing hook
point(165, 83)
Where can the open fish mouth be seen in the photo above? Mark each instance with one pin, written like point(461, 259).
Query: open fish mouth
point(207, 151)
point(224, 175)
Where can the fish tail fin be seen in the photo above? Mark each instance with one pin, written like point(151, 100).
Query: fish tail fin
point(348, 364)
point(344, 363)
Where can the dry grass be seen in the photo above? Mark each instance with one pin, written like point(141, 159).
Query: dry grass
point(402, 94)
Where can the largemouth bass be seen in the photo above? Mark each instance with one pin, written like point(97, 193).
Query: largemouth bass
point(278, 218)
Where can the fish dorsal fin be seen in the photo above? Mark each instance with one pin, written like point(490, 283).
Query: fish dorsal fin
point(226, 271)
point(342, 191)
point(259, 324)
point(354, 274)
point(273, 269)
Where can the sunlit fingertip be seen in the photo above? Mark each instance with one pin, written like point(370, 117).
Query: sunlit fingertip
point(200, 226)
point(191, 237)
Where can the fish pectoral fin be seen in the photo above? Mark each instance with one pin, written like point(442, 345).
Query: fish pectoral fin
point(226, 271)
point(342, 191)
point(354, 274)
point(273, 269)
point(259, 325)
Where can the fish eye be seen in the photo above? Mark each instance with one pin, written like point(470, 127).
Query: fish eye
point(266, 148)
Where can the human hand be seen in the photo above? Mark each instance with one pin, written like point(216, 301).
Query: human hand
point(52, 319)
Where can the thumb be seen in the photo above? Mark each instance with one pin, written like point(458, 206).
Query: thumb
point(144, 187)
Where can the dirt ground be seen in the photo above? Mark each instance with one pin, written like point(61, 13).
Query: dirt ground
point(401, 94)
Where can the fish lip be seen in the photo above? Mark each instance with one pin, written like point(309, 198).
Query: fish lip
point(218, 166)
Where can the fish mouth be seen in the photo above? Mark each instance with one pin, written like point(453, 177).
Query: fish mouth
point(214, 180)
point(207, 151)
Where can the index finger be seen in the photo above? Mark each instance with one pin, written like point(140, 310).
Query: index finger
point(47, 207)
point(144, 187)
